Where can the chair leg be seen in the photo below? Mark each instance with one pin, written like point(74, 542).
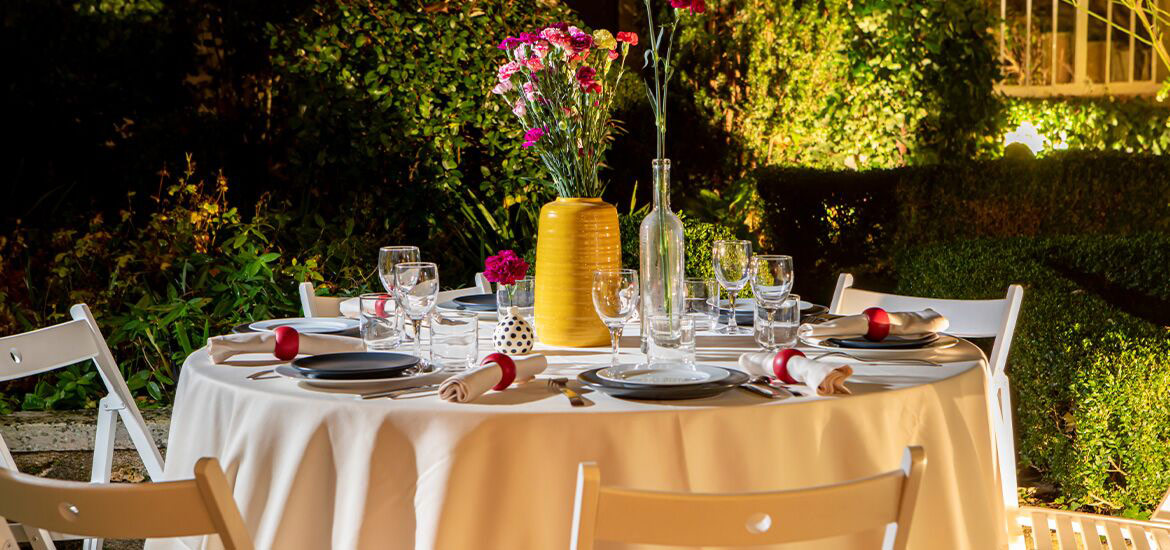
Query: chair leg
point(103, 445)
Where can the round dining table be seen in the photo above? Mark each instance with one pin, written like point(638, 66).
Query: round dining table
point(314, 469)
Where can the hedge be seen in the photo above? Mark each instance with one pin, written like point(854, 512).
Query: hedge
point(1090, 364)
point(1104, 124)
point(859, 220)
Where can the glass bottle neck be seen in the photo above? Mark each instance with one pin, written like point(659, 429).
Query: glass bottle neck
point(661, 183)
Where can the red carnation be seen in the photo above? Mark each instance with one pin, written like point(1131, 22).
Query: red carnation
point(505, 268)
point(630, 38)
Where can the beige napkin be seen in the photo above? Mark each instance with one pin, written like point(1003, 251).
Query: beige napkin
point(822, 378)
point(901, 324)
point(469, 385)
point(223, 347)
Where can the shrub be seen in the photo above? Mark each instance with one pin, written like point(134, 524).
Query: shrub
point(390, 98)
point(838, 220)
point(194, 268)
point(870, 84)
point(1090, 367)
point(1109, 124)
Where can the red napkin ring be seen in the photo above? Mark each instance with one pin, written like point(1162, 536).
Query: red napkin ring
point(380, 307)
point(879, 324)
point(288, 343)
point(507, 369)
point(780, 364)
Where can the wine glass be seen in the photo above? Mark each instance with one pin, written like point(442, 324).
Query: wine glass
point(390, 256)
point(417, 290)
point(615, 297)
point(772, 279)
point(732, 263)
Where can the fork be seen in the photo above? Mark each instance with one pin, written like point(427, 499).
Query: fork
point(903, 360)
point(562, 385)
point(262, 375)
point(395, 394)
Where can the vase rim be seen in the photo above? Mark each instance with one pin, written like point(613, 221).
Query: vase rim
point(580, 199)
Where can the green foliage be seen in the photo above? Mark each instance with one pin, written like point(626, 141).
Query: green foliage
point(1133, 125)
point(161, 282)
point(1090, 364)
point(698, 239)
point(395, 98)
point(869, 84)
point(839, 220)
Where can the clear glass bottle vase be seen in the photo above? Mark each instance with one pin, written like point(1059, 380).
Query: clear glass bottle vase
point(662, 255)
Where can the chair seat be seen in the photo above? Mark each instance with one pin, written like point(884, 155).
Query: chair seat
point(1061, 529)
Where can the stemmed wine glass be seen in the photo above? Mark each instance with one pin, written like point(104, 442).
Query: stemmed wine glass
point(772, 279)
point(390, 256)
point(732, 263)
point(615, 297)
point(417, 290)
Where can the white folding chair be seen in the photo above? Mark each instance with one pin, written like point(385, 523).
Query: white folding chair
point(972, 319)
point(330, 306)
point(749, 519)
point(61, 345)
point(201, 506)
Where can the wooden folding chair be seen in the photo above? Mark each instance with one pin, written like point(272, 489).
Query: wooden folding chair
point(972, 319)
point(748, 519)
point(330, 306)
point(201, 506)
point(65, 344)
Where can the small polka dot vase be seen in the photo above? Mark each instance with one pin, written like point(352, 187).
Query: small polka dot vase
point(513, 335)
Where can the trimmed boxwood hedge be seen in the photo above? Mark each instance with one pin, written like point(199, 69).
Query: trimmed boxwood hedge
point(838, 220)
point(1090, 365)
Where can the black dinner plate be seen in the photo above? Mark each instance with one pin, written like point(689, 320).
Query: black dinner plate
point(358, 365)
point(244, 328)
point(477, 302)
point(891, 342)
point(661, 393)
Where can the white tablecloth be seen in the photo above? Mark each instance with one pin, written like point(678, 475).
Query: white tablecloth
point(315, 470)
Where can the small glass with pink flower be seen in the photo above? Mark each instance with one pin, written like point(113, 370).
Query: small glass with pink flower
point(522, 295)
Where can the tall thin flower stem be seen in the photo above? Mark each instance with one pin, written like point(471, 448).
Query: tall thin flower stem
point(658, 95)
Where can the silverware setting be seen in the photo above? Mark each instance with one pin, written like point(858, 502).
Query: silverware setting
point(562, 385)
point(263, 375)
point(395, 394)
point(762, 385)
point(896, 361)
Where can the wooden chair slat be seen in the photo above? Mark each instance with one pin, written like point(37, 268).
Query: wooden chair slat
point(1064, 532)
point(1162, 538)
point(1114, 537)
point(1041, 534)
point(1138, 535)
point(1092, 538)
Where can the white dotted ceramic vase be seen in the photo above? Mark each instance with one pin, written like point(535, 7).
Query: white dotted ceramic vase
point(513, 335)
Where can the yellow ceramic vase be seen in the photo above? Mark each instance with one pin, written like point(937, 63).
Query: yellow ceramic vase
point(575, 237)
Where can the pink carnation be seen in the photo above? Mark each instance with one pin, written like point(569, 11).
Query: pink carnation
point(503, 87)
point(696, 6)
point(534, 64)
point(530, 91)
point(530, 138)
point(540, 48)
point(508, 69)
point(505, 268)
point(556, 37)
point(613, 54)
point(519, 109)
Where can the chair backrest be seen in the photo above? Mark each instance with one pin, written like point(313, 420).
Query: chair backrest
point(200, 506)
point(318, 306)
point(749, 519)
point(968, 318)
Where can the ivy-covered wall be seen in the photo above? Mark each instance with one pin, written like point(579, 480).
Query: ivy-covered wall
point(847, 83)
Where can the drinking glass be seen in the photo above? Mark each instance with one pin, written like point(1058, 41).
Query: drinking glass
point(390, 256)
point(672, 339)
point(522, 295)
point(777, 328)
point(454, 339)
point(379, 321)
point(732, 263)
point(417, 290)
point(615, 297)
point(700, 294)
point(772, 278)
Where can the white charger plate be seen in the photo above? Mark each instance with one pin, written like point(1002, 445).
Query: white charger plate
point(944, 341)
point(308, 325)
point(663, 374)
point(424, 376)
